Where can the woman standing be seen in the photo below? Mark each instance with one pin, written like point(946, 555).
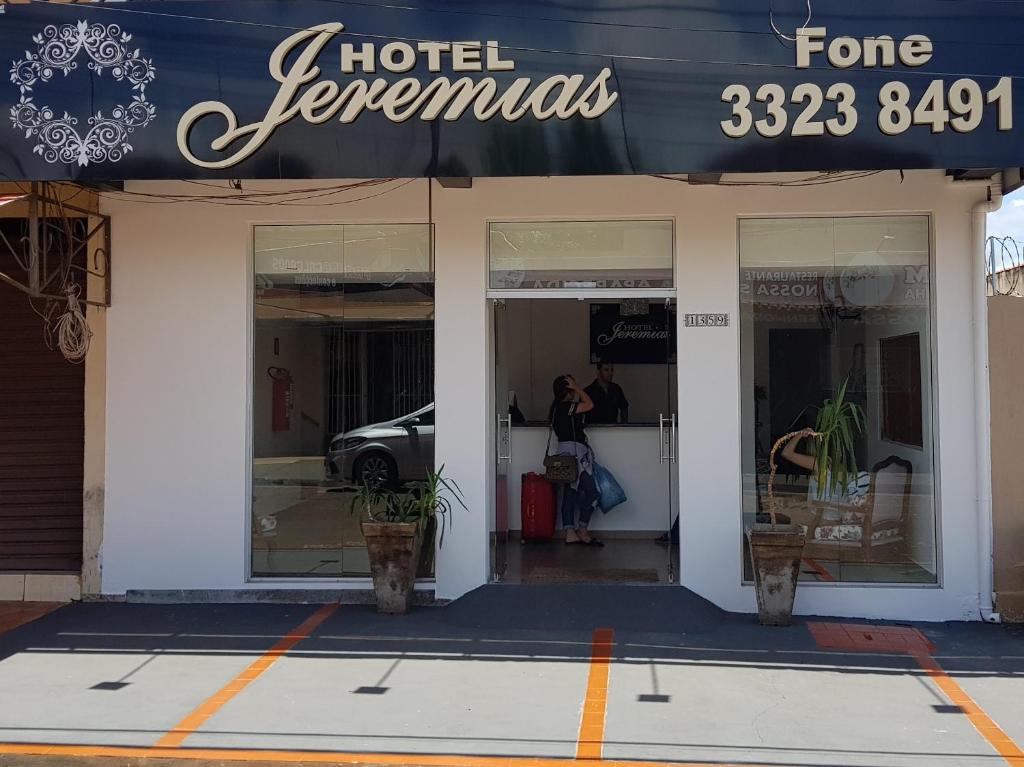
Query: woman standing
point(566, 418)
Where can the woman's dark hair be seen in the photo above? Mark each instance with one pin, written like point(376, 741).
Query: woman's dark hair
point(559, 387)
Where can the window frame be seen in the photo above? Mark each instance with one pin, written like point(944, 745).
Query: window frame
point(248, 298)
point(930, 414)
point(582, 293)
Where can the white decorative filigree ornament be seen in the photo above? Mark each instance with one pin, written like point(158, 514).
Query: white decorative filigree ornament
point(58, 48)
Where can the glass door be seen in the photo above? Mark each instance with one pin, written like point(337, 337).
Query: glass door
point(669, 442)
point(499, 521)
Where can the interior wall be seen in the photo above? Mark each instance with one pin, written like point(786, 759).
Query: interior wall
point(631, 453)
point(550, 337)
point(303, 352)
point(921, 523)
point(921, 527)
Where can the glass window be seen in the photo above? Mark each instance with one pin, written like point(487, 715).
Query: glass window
point(580, 254)
point(343, 386)
point(827, 303)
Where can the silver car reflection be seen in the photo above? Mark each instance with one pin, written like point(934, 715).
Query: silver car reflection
point(386, 453)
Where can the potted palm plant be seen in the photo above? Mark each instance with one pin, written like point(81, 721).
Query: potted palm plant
point(776, 549)
point(394, 525)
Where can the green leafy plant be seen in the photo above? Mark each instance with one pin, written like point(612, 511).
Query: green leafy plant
point(836, 425)
point(436, 496)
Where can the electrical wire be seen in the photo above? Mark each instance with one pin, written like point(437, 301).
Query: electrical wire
point(65, 326)
point(58, 237)
point(230, 197)
point(303, 200)
point(22, 264)
point(775, 29)
point(831, 177)
point(305, 197)
point(71, 330)
point(595, 22)
point(547, 19)
point(153, 198)
point(552, 51)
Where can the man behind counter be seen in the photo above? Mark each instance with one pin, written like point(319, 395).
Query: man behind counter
point(610, 404)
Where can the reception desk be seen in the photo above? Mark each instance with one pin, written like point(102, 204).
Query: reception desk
point(630, 452)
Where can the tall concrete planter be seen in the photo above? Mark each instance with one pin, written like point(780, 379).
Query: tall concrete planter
point(394, 553)
point(396, 526)
point(775, 553)
point(776, 549)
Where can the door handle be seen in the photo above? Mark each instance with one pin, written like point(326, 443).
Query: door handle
point(505, 438)
point(662, 457)
point(672, 440)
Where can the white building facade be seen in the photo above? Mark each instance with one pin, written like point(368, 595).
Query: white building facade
point(181, 382)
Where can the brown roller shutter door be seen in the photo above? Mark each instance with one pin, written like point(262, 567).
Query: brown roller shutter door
point(41, 437)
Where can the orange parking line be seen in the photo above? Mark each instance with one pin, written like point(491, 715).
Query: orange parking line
point(1002, 743)
point(853, 637)
point(590, 743)
point(215, 702)
point(321, 757)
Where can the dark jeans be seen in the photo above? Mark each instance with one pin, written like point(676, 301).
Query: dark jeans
point(581, 498)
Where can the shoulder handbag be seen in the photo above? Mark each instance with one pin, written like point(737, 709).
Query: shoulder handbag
point(559, 469)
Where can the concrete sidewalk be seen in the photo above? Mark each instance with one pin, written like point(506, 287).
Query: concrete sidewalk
point(509, 676)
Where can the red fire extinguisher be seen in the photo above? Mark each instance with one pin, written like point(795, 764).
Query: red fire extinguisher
point(282, 398)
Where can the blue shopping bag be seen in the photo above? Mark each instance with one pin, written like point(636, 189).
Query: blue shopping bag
point(610, 492)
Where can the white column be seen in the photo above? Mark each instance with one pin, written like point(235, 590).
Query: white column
point(463, 388)
point(709, 404)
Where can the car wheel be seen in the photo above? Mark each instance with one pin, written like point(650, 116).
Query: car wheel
point(377, 470)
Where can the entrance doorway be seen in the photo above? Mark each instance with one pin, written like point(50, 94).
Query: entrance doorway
point(622, 350)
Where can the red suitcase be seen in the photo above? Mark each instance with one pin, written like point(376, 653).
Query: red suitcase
point(538, 508)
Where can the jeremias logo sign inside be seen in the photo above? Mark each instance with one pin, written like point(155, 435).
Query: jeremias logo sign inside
point(308, 92)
